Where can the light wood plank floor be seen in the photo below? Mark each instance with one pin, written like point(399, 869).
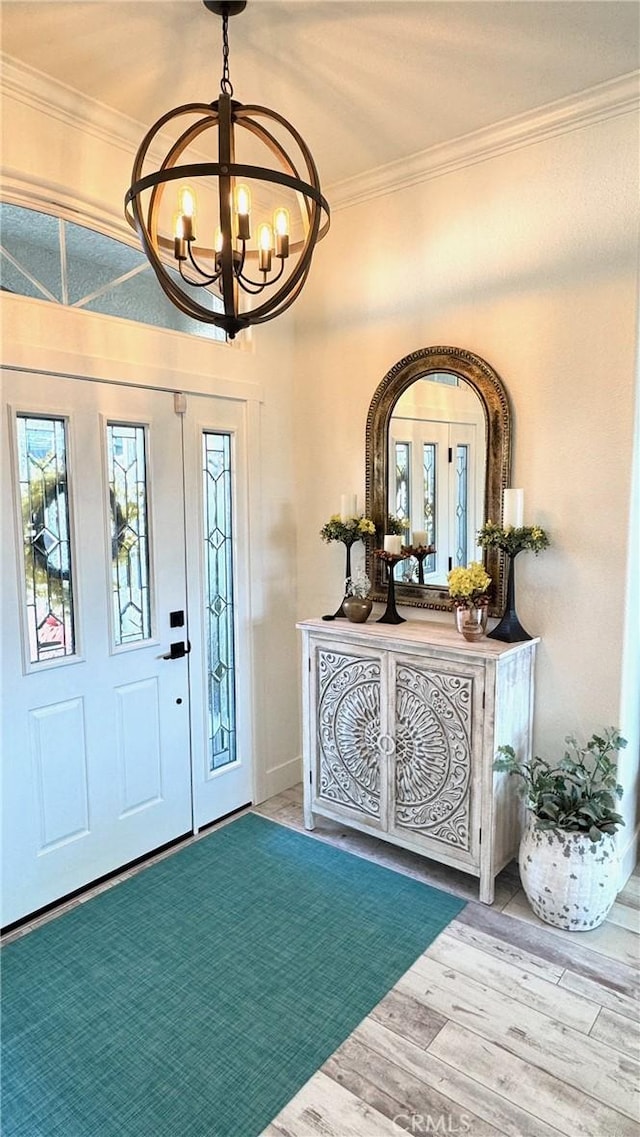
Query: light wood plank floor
point(504, 1026)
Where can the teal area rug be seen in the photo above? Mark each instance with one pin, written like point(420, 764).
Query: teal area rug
point(196, 998)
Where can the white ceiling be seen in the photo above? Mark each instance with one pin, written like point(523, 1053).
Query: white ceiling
point(367, 82)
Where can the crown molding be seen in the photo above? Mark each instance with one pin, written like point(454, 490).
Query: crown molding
point(596, 104)
point(604, 101)
point(59, 101)
point(46, 196)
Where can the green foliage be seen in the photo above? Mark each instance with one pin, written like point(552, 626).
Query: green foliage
point(579, 794)
point(510, 540)
point(350, 530)
point(396, 526)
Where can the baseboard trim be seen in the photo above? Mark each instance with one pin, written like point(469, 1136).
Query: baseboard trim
point(629, 856)
point(282, 777)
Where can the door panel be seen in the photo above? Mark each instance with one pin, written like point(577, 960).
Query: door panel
point(138, 744)
point(59, 752)
point(438, 725)
point(96, 760)
point(219, 610)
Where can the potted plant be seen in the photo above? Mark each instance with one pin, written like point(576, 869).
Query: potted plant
point(568, 860)
point(468, 589)
point(356, 603)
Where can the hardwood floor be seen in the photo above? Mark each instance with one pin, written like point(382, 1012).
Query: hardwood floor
point(504, 1026)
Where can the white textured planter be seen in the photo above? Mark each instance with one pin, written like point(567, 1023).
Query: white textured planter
point(570, 882)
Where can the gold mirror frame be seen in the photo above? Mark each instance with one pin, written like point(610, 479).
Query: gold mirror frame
point(497, 414)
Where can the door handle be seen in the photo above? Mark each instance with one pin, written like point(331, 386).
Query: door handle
point(177, 650)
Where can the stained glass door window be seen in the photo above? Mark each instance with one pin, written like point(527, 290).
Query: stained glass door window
point(128, 497)
point(219, 600)
point(403, 481)
point(462, 504)
point(44, 502)
point(429, 468)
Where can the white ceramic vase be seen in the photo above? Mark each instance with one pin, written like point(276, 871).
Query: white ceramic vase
point(570, 882)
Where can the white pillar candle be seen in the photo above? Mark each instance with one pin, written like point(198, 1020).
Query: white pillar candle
point(419, 537)
point(348, 506)
point(513, 508)
point(392, 544)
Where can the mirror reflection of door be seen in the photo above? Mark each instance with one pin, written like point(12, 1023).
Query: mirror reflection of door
point(437, 462)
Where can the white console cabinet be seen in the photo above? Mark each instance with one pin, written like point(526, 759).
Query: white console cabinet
point(401, 726)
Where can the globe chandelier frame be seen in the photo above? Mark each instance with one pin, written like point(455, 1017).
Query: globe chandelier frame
point(229, 264)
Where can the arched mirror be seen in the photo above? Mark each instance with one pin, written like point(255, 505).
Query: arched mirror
point(438, 457)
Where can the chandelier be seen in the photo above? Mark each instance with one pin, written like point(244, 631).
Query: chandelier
point(195, 210)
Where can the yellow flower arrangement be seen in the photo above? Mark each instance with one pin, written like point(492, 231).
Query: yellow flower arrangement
point(468, 586)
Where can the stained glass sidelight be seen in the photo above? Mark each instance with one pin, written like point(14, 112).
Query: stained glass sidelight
point(462, 497)
point(42, 466)
point(219, 601)
point(429, 453)
point(127, 471)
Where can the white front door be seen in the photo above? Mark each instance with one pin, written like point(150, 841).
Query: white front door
point(97, 764)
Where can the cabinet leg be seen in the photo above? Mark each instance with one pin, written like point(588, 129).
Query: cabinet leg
point(487, 889)
point(309, 820)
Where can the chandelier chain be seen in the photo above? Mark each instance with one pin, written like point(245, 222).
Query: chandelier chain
point(226, 86)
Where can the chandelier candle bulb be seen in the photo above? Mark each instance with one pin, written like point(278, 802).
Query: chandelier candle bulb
point(179, 244)
point(188, 208)
point(392, 544)
point(265, 242)
point(513, 508)
point(281, 227)
point(243, 209)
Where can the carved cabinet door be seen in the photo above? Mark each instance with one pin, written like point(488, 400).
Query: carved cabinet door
point(348, 761)
point(434, 778)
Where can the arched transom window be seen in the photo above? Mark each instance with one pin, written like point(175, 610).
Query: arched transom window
point(55, 260)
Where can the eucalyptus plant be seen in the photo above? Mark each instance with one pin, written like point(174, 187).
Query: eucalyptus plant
point(579, 794)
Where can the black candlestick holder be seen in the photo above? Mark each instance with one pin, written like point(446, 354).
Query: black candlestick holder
point(420, 552)
point(510, 630)
point(390, 614)
point(340, 613)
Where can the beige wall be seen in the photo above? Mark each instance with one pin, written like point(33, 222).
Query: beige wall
point(529, 260)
